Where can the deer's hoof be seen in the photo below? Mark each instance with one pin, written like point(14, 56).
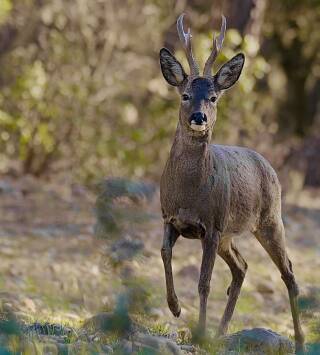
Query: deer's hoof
point(177, 314)
point(175, 309)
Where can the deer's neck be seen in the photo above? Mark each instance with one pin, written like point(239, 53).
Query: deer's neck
point(190, 156)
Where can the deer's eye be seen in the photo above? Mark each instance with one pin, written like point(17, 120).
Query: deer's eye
point(185, 97)
point(213, 99)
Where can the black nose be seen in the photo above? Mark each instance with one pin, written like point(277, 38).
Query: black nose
point(198, 117)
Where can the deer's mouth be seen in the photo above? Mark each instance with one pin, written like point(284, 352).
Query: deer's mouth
point(198, 127)
point(198, 121)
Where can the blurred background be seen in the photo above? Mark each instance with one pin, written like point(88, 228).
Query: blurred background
point(81, 90)
point(82, 100)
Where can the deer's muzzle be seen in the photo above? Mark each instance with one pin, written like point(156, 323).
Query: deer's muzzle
point(198, 121)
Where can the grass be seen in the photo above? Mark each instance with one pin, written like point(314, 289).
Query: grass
point(71, 280)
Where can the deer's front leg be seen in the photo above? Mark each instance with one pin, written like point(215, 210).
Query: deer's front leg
point(209, 250)
point(169, 238)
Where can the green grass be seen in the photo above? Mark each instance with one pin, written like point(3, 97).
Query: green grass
point(246, 304)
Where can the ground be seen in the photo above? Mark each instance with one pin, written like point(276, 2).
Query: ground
point(53, 267)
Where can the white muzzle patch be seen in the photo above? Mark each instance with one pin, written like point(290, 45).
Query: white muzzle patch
point(197, 127)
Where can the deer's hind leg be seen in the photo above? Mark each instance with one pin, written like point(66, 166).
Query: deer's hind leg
point(271, 236)
point(238, 267)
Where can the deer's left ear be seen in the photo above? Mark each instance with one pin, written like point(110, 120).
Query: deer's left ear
point(171, 68)
point(229, 73)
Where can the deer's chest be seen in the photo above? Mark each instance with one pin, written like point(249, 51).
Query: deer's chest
point(186, 203)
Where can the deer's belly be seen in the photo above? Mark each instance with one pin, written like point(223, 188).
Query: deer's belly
point(189, 231)
point(188, 224)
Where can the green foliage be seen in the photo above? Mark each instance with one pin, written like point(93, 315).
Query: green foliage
point(83, 93)
point(293, 48)
point(82, 89)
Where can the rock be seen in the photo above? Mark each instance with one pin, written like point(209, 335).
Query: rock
point(125, 347)
point(257, 341)
point(107, 349)
point(173, 336)
point(161, 345)
point(188, 348)
point(48, 329)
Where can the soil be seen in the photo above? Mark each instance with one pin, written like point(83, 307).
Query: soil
point(53, 268)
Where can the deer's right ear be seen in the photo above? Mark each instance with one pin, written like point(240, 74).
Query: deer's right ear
point(171, 68)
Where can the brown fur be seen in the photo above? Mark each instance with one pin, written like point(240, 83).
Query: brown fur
point(213, 192)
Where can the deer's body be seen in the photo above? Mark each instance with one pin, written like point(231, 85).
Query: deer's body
point(235, 189)
point(213, 192)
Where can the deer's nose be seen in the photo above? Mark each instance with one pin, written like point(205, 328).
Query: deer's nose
point(198, 118)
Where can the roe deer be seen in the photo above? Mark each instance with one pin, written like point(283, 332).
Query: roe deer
point(213, 192)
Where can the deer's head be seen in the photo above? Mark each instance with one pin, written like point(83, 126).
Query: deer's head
point(199, 94)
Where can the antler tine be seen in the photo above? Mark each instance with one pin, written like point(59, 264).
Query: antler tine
point(185, 38)
point(217, 45)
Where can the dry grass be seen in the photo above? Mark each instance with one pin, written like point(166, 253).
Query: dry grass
point(52, 267)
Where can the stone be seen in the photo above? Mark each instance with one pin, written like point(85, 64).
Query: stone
point(188, 348)
point(162, 345)
point(257, 341)
point(125, 347)
point(107, 348)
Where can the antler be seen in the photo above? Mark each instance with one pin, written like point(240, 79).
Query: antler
point(217, 44)
point(185, 38)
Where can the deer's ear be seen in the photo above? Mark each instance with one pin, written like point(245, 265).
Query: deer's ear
point(229, 73)
point(171, 68)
